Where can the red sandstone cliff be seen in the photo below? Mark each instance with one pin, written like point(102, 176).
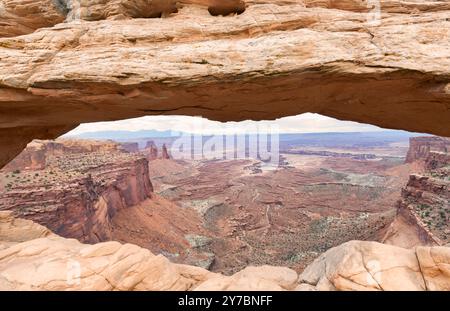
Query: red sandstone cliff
point(423, 213)
point(34, 156)
point(420, 147)
point(437, 160)
point(75, 189)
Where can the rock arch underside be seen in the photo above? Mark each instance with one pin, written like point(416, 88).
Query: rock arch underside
point(66, 62)
point(277, 58)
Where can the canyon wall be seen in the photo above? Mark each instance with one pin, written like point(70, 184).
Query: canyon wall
point(130, 147)
point(420, 147)
point(34, 156)
point(77, 188)
point(423, 212)
point(277, 58)
point(25, 248)
point(425, 204)
point(437, 160)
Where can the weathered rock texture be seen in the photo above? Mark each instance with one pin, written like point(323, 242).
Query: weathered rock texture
point(423, 212)
point(25, 249)
point(73, 187)
point(426, 205)
point(277, 58)
point(18, 17)
point(35, 156)
point(373, 266)
point(421, 147)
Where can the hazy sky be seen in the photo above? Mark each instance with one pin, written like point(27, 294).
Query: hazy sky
point(304, 123)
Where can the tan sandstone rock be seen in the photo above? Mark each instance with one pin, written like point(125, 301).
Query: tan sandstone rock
point(18, 17)
point(434, 264)
point(44, 261)
point(15, 230)
point(32, 258)
point(359, 265)
point(277, 58)
point(254, 278)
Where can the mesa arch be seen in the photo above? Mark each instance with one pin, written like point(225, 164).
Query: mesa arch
point(278, 58)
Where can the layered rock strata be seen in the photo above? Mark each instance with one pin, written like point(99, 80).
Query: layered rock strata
point(75, 189)
point(277, 58)
point(420, 148)
point(423, 212)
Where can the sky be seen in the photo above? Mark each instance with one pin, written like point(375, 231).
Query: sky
point(304, 123)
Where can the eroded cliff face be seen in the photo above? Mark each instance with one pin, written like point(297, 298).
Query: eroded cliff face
point(277, 58)
point(25, 248)
point(130, 147)
point(423, 212)
point(74, 188)
point(426, 204)
point(34, 157)
point(421, 147)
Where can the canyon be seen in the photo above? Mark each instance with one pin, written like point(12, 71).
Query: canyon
point(277, 58)
point(315, 203)
point(25, 249)
point(423, 211)
point(74, 188)
point(96, 191)
point(116, 217)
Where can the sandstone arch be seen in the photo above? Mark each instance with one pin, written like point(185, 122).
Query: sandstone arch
point(278, 58)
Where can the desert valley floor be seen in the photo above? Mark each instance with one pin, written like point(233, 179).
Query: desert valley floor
point(225, 215)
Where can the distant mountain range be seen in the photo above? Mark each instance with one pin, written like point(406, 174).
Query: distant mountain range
point(346, 139)
point(331, 139)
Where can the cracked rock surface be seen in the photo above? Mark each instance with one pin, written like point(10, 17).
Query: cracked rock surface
point(33, 258)
point(273, 59)
point(358, 265)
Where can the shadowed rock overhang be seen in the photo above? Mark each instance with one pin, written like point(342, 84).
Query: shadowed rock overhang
point(62, 65)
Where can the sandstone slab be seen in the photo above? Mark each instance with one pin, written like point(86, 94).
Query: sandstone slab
point(277, 58)
point(359, 265)
point(32, 258)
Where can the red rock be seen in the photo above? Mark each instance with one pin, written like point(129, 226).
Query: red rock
point(75, 189)
point(165, 153)
point(151, 150)
point(423, 210)
point(130, 147)
point(436, 160)
point(420, 147)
